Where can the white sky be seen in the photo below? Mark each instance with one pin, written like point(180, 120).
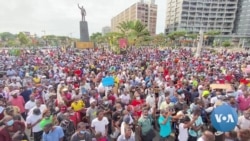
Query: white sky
point(61, 17)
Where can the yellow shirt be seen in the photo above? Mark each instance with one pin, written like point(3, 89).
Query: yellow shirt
point(76, 106)
point(37, 80)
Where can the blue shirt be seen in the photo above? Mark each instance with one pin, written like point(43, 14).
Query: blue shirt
point(165, 129)
point(198, 122)
point(55, 135)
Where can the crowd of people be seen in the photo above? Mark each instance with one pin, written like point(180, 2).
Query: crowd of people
point(162, 95)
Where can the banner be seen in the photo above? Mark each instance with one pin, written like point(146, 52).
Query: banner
point(84, 45)
point(123, 43)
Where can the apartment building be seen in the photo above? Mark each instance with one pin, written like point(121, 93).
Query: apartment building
point(242, 23)
point(196, 15)
point(106, 30)
point(146, 12)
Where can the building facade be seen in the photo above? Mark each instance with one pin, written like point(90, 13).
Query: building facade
point(195, 15)
point(146, 12)
point(242, 23)
point(106, 30)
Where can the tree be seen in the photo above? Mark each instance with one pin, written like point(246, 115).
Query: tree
point(5, 36)
point(125, 27)
point(134, 31)
point(193, 37)
point(209, 36)
point(139, 32)
point(226, 44)
point(159, 39)
point(12, 43)
point(95, 36)
point(175, 36)
point(212, 33)
point(23, 39)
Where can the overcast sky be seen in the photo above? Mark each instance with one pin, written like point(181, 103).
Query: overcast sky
point(61, 17)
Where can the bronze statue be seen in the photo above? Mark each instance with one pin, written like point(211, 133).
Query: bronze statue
point(83, 12)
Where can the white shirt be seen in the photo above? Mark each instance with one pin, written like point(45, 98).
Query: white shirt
point(99, 126)
point(243, 122)
point(123, 129)
point(125, 98)
point(29, 105)
point(17, 84)
point(171, 90)
point(213, 100)
point(200, 139)
point(160, 100)
point(183, 133)
point(31, 119)
point(150, 99)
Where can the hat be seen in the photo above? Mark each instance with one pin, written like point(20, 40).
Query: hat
point(65, 89)
point(205, 93)
point(52, 94)
point(15, 92)
point(92, 100)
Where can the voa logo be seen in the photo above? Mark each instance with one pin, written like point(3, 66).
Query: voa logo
point(224, 118)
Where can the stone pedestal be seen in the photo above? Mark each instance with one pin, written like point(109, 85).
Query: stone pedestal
point(84, 32)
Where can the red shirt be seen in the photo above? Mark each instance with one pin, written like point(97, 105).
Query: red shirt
point(229, 78)
point(78, 72)
point(19, 102)
point(5, 134)
point(165, 72)
point(221, 81)
point(112, 98)
point(66, 70)
point(244, 81)
point(75, 118)
point(137, 104)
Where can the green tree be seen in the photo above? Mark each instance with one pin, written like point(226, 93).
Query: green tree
point(12, 43)
point(175, 36)
point(226, 44)
point(94, 37)
point(125, 27)
point(212, 33)
point(209, 36)
point(134, 31)
point(23, 39)
point(159, 39)
point(193, 37)
point(5, 36)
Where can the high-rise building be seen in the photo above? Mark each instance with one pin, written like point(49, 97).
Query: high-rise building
point(196, 15)
point(146, 12)
point(242, 23)
point(106, 30)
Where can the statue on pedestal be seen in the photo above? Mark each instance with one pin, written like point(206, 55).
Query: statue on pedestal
point(83, 12)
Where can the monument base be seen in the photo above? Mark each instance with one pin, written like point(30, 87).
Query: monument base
point(84, 32)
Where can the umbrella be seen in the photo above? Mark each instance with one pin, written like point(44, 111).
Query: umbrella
point(224, 118)
point(108, 81)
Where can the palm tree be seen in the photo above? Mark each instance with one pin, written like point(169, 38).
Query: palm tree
point(134, 31)
point(125, 27)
